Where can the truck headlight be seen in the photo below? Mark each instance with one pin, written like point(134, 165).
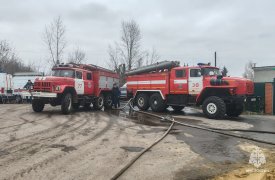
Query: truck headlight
point(57, 88)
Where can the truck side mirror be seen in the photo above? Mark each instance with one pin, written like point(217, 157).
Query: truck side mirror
point(219, 76)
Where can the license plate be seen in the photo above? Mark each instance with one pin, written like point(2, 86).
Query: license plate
point(253, 99)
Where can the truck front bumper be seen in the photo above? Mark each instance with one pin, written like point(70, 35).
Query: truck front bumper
point(44, 94)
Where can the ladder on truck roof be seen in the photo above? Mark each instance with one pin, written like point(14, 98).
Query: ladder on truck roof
point(89, 67)
point(154, 67)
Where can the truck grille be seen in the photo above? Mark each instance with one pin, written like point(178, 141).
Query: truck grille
point(42, 86)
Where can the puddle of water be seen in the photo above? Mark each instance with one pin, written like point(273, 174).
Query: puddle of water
point(132, 148)
point(213, 147)
point(138, 118)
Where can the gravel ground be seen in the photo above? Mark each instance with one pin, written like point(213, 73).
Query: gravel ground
point(97, 144)
point(85, 145)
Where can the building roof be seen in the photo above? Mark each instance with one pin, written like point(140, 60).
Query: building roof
point(264, 68)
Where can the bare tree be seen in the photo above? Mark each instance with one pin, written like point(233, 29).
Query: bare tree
point(54, 38)
point(127, 54)
point(130, 43)
point(9, 62)
point(249, 72)
point(5, 52)
point(77, 56)
point(151, 57)
point(37, 66)
point(114, 57)
point(139, 62)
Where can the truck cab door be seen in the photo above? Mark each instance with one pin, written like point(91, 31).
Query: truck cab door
point(88, 84)
point(79, 83)
point(178, 81)
point(195, 82)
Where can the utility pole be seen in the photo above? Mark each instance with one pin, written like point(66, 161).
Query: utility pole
point(215, 59)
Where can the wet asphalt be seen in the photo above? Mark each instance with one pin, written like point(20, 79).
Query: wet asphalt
point(215, 148)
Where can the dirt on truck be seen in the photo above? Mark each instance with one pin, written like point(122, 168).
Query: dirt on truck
point(167, 84)
point(74, 85)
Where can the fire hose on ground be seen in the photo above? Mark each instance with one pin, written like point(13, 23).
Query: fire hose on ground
point(173, 122)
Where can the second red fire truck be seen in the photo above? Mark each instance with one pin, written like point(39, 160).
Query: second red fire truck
point(167, 84)
point(72, 85)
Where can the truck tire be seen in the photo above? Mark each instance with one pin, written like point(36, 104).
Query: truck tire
point(37, 105)
point(67, 103)
point(108, 101)
point(214, 107)
point(142, 102)
point(99, 103)
point(177, 108)
point(18, 99)
point(157, 104)
point(234, 110)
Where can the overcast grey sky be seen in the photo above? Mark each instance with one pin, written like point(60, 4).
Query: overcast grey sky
point(185, 30)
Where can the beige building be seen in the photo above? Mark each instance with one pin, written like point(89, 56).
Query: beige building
point(264, 74)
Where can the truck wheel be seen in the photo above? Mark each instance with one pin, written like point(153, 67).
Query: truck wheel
point(177, 108)
point(108, 101)
point(99, 102)
point(233, 110)
point(142, 101)
point(214, 107)
point(18, 99)
point(157, 104)
point(37, 105)
point(67, 104)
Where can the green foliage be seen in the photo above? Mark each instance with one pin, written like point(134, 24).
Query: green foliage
point(224, 71)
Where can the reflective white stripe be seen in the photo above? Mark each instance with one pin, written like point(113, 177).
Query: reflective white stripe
point(181, 81)
point(143, 82)
point(147, 82)
point(44, 94)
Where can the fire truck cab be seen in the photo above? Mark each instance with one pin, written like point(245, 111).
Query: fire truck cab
point(72, 85)
point(167, 84)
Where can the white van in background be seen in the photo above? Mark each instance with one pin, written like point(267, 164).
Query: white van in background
point(6, 87)
point(19, 81)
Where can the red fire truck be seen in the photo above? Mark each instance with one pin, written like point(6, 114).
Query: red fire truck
point(72, 85)
point(167, 84)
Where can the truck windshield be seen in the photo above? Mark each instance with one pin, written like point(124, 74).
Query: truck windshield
point(210, 71)
point(64, 73)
